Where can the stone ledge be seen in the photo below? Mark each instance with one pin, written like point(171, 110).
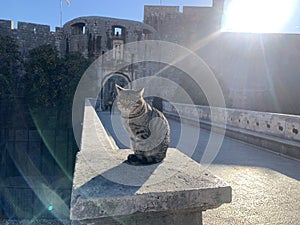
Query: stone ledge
point(161, 187)
point(281, 146)
point(105, 187)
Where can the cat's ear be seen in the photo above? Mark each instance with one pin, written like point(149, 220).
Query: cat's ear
point(119, 88)
point(141, 92)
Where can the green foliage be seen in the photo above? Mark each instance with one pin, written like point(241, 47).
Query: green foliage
point(42, 77)
point(10, 64)
point(74, 65)
point(51, 82)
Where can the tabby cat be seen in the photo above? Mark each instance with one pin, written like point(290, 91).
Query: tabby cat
point(147, 127)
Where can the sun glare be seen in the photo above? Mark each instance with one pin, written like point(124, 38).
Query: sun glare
point(257, 16)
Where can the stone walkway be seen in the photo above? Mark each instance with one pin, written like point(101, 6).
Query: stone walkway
point(266, 186)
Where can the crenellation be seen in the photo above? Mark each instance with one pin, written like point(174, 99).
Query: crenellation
point(196, 11)
point(198, 28)
point(155, 15)
point(93, 35)
point(218, 5)
point(173, 25)
point(33, 27)
point(6, 26)
point(28, 35)
point(151, 10)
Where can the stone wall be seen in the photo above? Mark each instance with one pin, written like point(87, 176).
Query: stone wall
point(95, 35)
point(106, 190)
point(91, 35)
point(278, 132)
point(28, 35)
point(187, 26)
point(36, 172)
point(6, 27)
point(259, 70)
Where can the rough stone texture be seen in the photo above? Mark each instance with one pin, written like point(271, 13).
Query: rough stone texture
point(173, 25)
point(94, 35)
point(104, 186)
point(265, 186)
point(27, 35)
point(180, 217)
point(259, 70)
point(90, 35)
point(277, 132)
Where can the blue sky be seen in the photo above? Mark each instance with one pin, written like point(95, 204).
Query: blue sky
point(48, 11)
point(259, 16)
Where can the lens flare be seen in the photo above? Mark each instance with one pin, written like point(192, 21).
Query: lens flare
point(257, 16)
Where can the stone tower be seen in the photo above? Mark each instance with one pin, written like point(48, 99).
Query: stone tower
point(94, 35)
point(187, 26)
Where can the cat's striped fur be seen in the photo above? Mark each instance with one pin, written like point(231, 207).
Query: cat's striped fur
point(148, 128)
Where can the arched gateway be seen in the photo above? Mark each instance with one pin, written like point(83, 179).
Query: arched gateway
point(108, 91)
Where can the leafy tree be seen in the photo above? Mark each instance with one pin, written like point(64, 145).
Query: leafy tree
point(51, 82)
point(10, 65)
point(74, 65)
point(42, 77)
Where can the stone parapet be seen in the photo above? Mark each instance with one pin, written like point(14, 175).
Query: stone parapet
point(108, 191)
point(277, 132)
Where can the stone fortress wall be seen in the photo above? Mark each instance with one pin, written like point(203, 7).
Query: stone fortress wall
point(94, 35)
point(29, 35)
point(91, 35)
point(184, 27)
point(259, 70)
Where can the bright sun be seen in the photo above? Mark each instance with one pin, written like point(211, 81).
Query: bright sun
point(257, 16)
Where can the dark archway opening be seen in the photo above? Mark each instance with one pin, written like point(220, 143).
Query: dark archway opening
point(108, 91)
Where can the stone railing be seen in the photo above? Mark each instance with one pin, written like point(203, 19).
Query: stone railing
point(278, 132)
point(108, 191)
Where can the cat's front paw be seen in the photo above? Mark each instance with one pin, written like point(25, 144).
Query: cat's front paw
point(133, 159)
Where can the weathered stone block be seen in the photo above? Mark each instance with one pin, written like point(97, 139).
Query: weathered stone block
point(108, 191)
